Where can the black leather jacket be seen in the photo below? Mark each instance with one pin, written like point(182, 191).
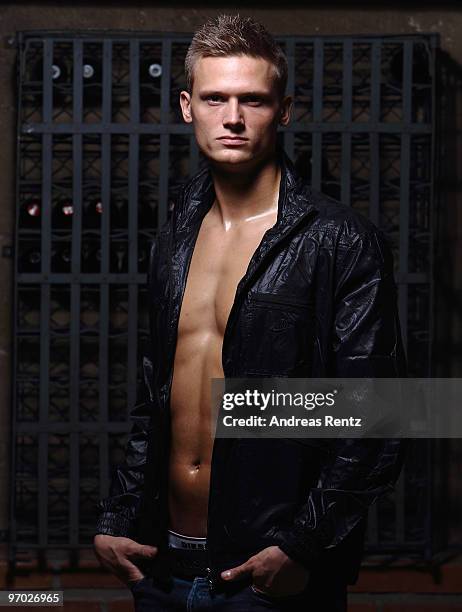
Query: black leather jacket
point(318, 299)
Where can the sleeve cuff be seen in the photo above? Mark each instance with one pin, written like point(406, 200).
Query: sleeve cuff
point(299, 547)
point(110, 523)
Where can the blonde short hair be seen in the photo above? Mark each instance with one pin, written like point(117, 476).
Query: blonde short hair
point(235, 35)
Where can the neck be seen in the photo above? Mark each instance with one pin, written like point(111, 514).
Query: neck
point(247, 195)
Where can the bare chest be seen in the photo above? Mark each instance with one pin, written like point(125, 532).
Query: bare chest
point(219, 261)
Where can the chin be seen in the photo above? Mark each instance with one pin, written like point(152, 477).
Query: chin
point(230, 158)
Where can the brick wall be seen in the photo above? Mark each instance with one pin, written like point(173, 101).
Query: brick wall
point(402, 588)
point(87, 589)
point(409, 588)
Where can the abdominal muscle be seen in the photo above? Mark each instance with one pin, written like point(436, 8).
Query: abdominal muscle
point(197, 360)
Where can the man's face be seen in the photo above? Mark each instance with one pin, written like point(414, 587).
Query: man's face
point(235, 109)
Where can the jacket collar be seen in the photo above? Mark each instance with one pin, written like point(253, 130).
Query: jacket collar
point(295, 198)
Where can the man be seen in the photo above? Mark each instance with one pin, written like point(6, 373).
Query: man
point(254, 275)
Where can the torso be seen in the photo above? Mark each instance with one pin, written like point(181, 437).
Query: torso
point(219, 261)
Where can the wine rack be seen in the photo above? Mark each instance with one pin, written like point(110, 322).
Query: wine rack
point(102, 152)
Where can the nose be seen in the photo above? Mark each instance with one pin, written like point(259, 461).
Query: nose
point(233, 117)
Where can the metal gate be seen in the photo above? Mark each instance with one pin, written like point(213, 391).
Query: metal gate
point(102, 150)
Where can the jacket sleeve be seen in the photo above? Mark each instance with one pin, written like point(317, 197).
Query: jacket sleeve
point(366, 342)
point(118, 512)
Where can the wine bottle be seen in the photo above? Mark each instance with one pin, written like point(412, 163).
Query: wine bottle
point(29, 214)
point(119, 258)
point(91, 258)
point(92, 81)
point(30, 259)
point(89, 314)
point(63, 211)
point(143, 257)
point(150, 79)
point(146, 215)
point(60, 75)
point(60, 315)
point(93, 208)
point(61, 259)
point(59, 72)
point(150, 72)
point(119, 213)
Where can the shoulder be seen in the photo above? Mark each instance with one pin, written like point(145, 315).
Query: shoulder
point(349, 229)
point(334, 221)
point(338, 218)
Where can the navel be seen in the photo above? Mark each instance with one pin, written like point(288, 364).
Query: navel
point(196, 465)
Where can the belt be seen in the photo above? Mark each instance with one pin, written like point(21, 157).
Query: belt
point(188, 556)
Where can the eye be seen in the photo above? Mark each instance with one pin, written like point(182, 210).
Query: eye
point(252, 101)
point(214, 99)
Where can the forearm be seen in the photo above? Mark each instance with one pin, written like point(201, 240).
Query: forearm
point(360, 472)
point(118, 512)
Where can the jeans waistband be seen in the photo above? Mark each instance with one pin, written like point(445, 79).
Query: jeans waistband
point(187, 555)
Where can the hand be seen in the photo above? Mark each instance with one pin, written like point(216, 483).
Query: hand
point(114, 553)
point(272, 572)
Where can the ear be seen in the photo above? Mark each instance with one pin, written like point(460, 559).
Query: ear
point(285, 110)
point(185, 103)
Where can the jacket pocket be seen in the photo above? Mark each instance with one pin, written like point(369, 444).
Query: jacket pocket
point(279, 335)
point(285, 301)
point(133, 584)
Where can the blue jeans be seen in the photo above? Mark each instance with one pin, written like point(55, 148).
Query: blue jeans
point(193, 595)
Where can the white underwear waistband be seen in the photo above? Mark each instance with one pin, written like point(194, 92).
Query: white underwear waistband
point(178, 540)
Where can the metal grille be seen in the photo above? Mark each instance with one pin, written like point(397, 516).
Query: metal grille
point(102, 151)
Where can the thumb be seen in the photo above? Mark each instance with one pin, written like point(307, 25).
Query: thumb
point(145, 551)
point(237, 572)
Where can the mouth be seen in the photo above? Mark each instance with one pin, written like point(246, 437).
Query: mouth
point(232, 140)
